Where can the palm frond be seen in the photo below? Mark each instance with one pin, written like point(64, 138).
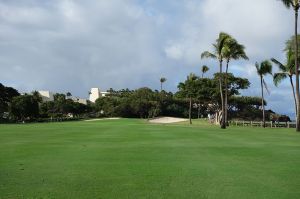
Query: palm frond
point(257, 68)
point(163, 79)
point(266, 67)
point(207, 54)
point(234, 50)
point(239, 52)
point(290, 43)
point(279, 77)
point(290, 65)
point(221, 41)
point(281, 66)
point(204, 69)
point(287, 3)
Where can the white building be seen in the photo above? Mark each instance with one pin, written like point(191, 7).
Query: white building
point(103, 94)
point(47, 96)
point(82, 101)
point(95, 94)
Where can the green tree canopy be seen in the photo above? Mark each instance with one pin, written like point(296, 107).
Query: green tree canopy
point(6, 96)
point(24, 106)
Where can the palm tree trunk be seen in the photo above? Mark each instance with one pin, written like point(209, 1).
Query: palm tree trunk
point(202, 75)
point(294, 95)
point(161, 86)
point(262, 101)
point(226, 94)
point(223, 124)
point(190, 111)
point(297, 71)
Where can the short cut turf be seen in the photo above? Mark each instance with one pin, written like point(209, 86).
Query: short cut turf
point(132, 159)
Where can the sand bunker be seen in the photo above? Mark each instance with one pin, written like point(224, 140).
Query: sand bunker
point(167, 120)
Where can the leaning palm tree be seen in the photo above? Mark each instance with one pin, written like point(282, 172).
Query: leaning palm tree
point(162, 80)
point(286, 70)
point(295, 4)
point(263, 69)
point(204, 70)
point(218, 54)
point(232, 51)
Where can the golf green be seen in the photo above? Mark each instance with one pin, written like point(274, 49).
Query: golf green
point(131, 159)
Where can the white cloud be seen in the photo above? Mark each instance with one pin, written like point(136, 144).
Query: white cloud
point(174, 52)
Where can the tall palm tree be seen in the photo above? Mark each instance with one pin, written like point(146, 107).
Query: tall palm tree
point(191, 92)
point(162, 80)
point(295, 4)
point(218, 54)
point(263, 69)
point(286, 70)
point(204, 70)
point(232, 51)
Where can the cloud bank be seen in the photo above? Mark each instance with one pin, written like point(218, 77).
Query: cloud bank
point(72, 45)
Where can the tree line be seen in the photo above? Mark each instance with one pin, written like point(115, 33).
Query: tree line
point(197, 97)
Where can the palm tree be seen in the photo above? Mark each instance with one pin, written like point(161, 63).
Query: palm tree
point(204, 70)
point(232, 51)
point(295, 4)
point(162, 80)
point(286, 70)
point(263, 69)
point(218, 54)
point(189, 90)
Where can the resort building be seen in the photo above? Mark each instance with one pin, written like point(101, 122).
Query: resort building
point(96, 93)
point(82, 101)
point(47, 96)
point(103, 94)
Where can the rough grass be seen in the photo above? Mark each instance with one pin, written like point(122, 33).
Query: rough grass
point(132, 159)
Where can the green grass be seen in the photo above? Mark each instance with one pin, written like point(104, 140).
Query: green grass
point(132, 159)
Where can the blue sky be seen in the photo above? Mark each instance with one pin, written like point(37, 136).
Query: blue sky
point(73, 45)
